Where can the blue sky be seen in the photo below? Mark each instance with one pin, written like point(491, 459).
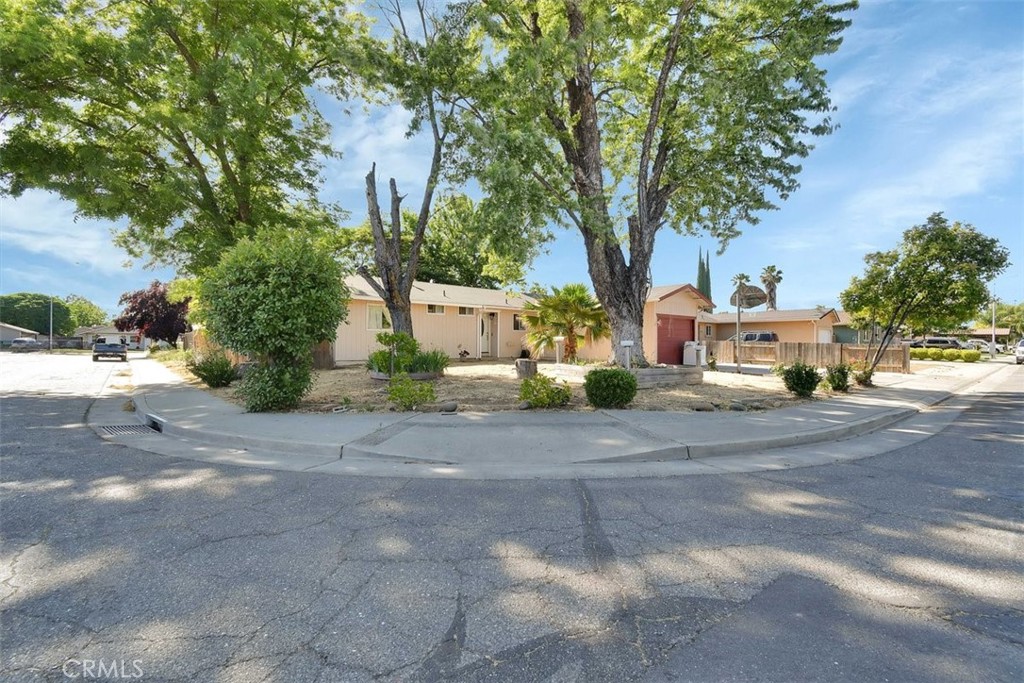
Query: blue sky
point(931, 114)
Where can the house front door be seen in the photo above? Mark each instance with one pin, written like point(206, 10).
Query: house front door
point(485, 335)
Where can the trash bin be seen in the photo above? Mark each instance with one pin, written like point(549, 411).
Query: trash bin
point(694, 353)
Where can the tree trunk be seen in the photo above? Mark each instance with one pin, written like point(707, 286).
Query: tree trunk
point(401, 316)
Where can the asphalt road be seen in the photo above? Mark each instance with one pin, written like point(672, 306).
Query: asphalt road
point(907, 566)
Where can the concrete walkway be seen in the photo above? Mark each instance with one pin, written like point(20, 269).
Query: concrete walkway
point(526, 444)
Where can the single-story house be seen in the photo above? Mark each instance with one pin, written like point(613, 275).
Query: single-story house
point(489, 323)
point(985, 334)
point(132, 338)
point(8, 333)
point(793, 325)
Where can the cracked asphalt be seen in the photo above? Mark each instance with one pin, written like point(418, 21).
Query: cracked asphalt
point(906, 566)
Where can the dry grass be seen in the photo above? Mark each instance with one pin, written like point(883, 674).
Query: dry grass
point(493, 386)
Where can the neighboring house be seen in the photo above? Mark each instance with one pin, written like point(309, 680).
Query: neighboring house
point(985, 334)
point(489, 323)
point(794, 325)
point(11, 332)
point(133, 338)
point(486, 323)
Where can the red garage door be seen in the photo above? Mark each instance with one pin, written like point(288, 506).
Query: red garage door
point(673, 330)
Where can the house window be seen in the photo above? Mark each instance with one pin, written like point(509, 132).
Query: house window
point(377, 318)
point(518, 324)
point(707, 331)
point(467, 310)
point(434, 309)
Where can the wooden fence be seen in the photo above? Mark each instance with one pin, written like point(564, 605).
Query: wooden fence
point(895, 359)
point(323, 353)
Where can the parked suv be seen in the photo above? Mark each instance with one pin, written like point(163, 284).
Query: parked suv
point(941, 343)
point(756, 337)
point(26, 344)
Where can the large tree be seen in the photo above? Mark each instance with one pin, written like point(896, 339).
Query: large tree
point(151, 313)
point(85, 313)
point(936, 279)
point(33, 312)
point(624, 118)
point(191, 119)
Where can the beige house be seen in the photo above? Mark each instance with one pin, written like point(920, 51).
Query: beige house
point(132, 338)
point(478, 323)
point(9, 333)
point(794, 325)
point(487, 323)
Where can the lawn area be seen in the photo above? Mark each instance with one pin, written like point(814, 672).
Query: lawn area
point(492, 385)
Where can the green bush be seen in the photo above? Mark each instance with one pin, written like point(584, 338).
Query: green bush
point(215, 369)
point(837, 377)
point(280, 386)
point(918, 354)
point(272, 298)
point(800, 378)
point(862, 374)
point(406, 393)
point(610, 387)
point(970, 356)
point(951, 354)
point(429, 361)
point(935, 354)
point(540, 391)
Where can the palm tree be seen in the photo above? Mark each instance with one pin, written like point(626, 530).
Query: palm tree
point(770, 278)
point(571, 312)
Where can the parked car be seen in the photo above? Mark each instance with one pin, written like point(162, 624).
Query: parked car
point(756, 337)
point(1018, 352)
point(940, 343)
point(26, 344)
point(982, 345)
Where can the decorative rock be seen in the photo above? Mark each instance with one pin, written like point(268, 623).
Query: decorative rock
point(737, 406)
point(525, 405)
point(704, 407)
point(450, 407)
point(525, 367)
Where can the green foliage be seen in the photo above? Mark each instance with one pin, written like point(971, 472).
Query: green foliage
point(800, 378)
point(918, 354)
point(194, 121)
point(541, 391)
point(951, 354)
point(407, 393)
point(935, 354)
point(429, 361)
point(276, 386)
point(570, 312)
point(610, 387)
point(970, 356)
point(837, 377)
point(32, 311)
point(214, 369)
point(1010, 316)
point(936, 278)
point(152, 313)
point(863, 374)
point(85, 313)
point(272, 299)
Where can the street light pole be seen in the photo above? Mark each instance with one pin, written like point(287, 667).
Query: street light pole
point(992, 346)
point(51, 323)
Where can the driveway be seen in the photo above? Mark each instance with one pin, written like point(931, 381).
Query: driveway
point(905, 566)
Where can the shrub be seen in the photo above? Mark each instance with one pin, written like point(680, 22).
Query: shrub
point(406, 393)
point(429, 361)
point(935, 354)
point(800, 378)
point(862, 374)
point(610, 387)
point(918, 354)
point(540, 391)
point(279, 386)
point(951, 354)
point(215, 369)
point(272, 298)
point(970, 356)
point(837, 377)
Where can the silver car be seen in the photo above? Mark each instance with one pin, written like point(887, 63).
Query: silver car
point(1018, 352)
point(26, 344)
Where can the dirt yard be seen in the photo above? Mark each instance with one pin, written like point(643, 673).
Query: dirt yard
point(491, 386)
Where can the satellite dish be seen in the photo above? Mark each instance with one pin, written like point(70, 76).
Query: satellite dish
point(750, 296)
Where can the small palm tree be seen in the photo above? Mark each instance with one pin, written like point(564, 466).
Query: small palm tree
point(770, 278)
point(571, 312)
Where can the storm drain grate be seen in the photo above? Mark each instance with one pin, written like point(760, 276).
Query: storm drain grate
point(127, 430)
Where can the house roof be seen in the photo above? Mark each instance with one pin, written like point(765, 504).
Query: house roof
point(19, 329)
point(782, 316)
point(100, 329)
point(445, 295)
point(987, 331)
point(662, 292)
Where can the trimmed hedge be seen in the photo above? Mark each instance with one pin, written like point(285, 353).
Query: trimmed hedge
point(610, 387)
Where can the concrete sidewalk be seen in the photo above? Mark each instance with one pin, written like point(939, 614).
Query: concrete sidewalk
point(524, 444)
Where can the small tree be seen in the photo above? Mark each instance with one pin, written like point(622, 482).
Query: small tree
point(571, 312)
point(935, 279)
point(272, 299)
point(150, 312)
point(770, 278)
point(32, 311)
point(85, 313)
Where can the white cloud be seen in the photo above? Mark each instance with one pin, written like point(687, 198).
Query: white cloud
point(41, 223)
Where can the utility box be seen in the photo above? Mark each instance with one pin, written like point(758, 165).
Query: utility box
point(694, 353)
